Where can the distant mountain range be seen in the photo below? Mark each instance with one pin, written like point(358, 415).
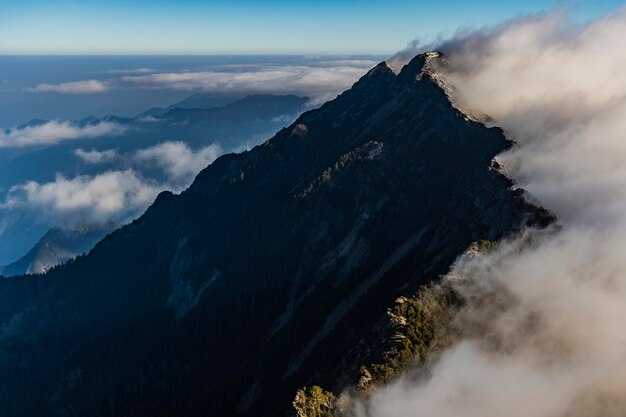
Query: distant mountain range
point(253, 108)
point(196, 101)
point(271, 271)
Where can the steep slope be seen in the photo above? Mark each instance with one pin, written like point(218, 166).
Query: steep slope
point(262, 276)
point(58, 245)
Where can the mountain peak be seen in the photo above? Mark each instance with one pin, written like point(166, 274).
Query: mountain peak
point(421, 64)
point(382, 67)
point(377, 77)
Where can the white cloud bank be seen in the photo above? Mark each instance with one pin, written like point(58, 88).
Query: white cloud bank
point(319, 79)
point(74, 87)
point(131, 71)
point(96, 157)
point(177, 159)
point(119, 194)
point(318, 82)
point(543, 331)
point(53, 132)
point(113, 194)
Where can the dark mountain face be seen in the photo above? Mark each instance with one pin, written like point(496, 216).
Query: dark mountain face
point(265, 274)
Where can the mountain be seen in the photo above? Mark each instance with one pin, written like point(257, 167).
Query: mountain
point(195, 101)
point(271, 270)
point(206, 100)
point(57, 246)
point(33, 123)
point(255, 106)
point(239, 124)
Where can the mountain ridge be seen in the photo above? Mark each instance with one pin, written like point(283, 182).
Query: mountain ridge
point(265, 272)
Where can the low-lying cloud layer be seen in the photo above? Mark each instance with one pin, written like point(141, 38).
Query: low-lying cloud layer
point(178, 160)
point(318, 82)
point(90, 199)
point(96, 157)
point(175, 158)
point(118, 193)
point(142, 70)
point(319, 79)
point(53, 132)
point(543, 332)
point(74, 87)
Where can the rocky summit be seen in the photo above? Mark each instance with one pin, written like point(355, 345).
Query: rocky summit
point(270, 269)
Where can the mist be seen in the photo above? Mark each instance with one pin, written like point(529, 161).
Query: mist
point(542, 333)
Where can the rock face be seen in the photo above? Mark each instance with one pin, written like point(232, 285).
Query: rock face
point(262, 276)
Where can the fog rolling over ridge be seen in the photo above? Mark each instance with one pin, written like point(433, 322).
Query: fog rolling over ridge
point(542, 334)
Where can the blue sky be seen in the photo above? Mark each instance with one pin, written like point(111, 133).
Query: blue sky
point(245, 27)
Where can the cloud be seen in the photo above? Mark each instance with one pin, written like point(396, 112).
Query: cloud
point(131, 71)
point(53, 132)
point(96, 157)
point(319, 79)
point(320, 82)
point(120, 194)
point(358, 63)
point(175, 158)
point(542, 333)
point(74, 87)
point(112, 194)
point(148, 119)
point(284, 118)
point(178, 160)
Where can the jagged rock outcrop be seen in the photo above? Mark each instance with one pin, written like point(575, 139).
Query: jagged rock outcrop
point(262, 276)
